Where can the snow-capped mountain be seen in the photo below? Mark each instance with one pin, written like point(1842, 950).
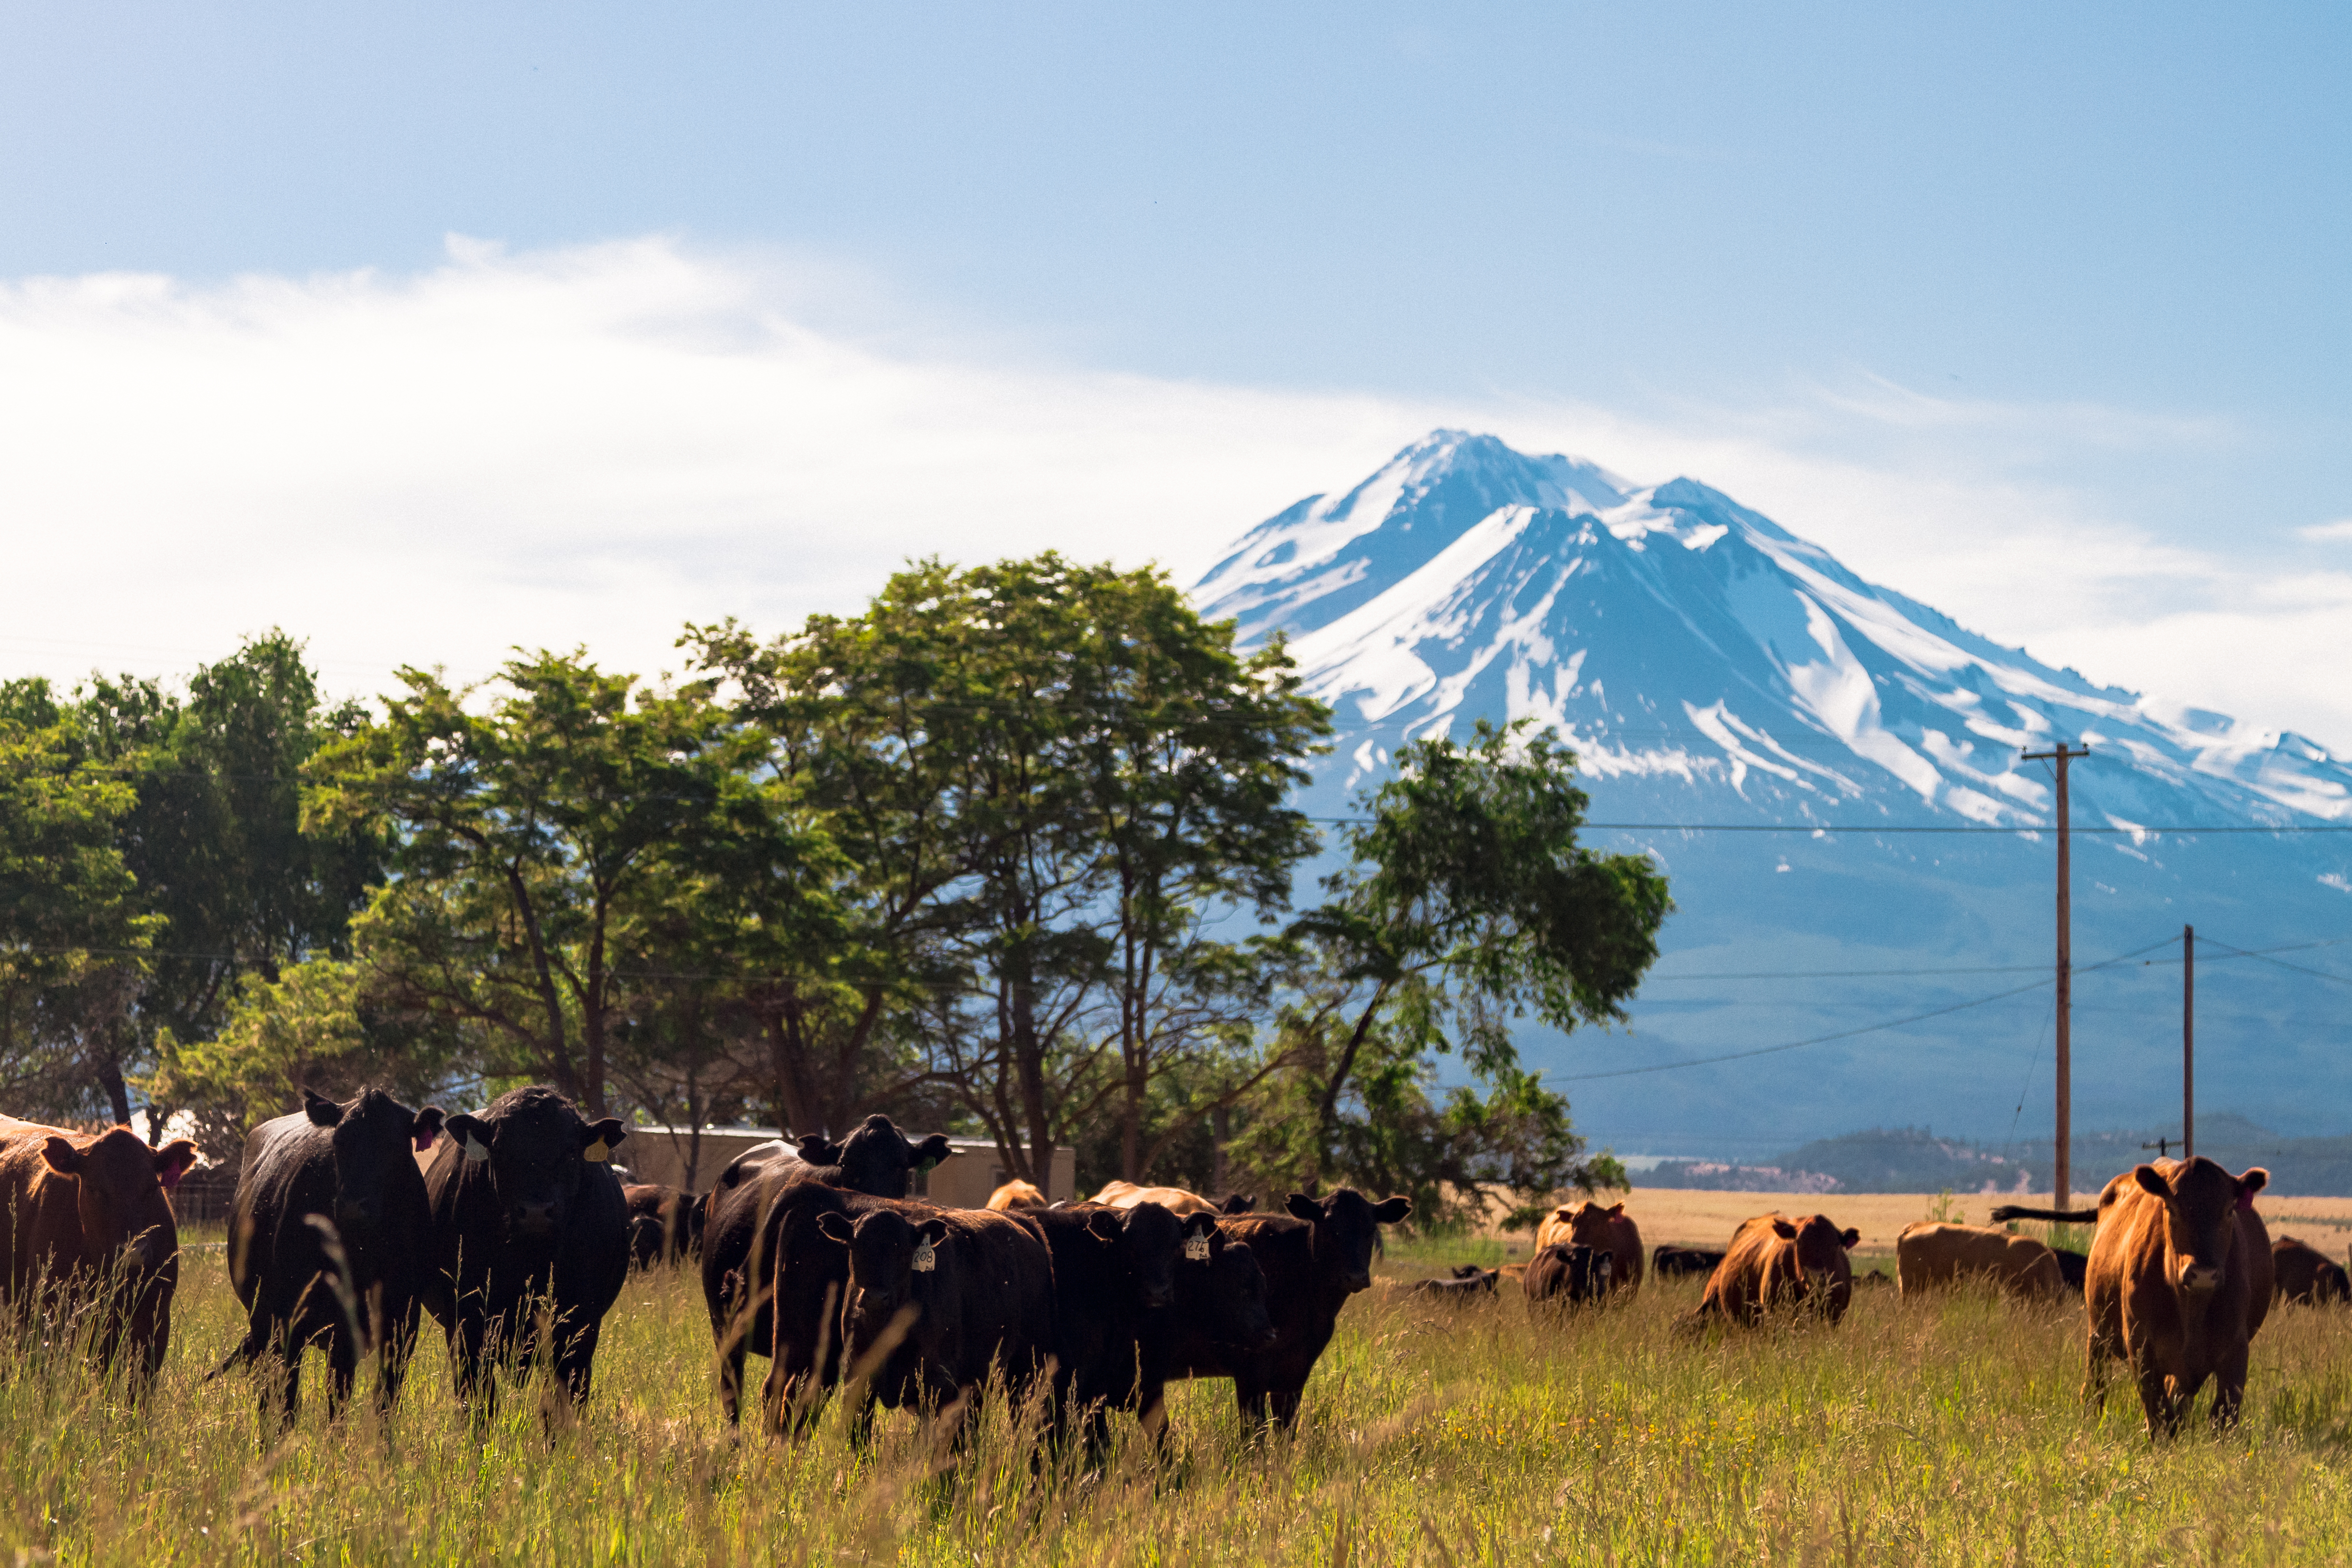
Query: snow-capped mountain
point(1708, 667)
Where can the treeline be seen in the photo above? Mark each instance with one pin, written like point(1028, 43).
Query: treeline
point(1012, 853)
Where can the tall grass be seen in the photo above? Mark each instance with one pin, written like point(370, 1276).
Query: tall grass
point(1944, 1431)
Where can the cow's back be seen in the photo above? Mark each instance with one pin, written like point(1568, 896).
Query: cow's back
point(1736, 1290)
point(1008, 1289)
point(1177, 1201)
point(1929, 1254)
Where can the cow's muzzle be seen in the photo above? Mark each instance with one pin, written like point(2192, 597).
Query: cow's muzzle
point(2200, 1279)
point(534, 1219)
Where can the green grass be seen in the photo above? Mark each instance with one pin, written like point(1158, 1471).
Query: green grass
point(1948, 1431)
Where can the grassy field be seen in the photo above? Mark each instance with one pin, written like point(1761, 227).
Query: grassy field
point(1946, 1431)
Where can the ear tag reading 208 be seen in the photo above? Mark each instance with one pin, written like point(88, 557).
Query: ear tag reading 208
point(476, 1149)
point(1196, 1247)
point(927, 1257)
point(598, 1153)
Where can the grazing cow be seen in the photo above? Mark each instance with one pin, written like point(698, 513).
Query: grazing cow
point(1668, 1262)
point(1313, 1261)
point(739, 1226)
point(2172, 1284)
point(527, 1220)
point(88, 1225)
point(1928, 1254)
point(1175, 1199)
point(2306, 1274)
point(1776, 1263)
point(1568, 1273)
point(1466, 1283)
point(1589, 1224)
point(978, 1290)
point(328, 1236)
point(1016, 1195)
point(664, 1224)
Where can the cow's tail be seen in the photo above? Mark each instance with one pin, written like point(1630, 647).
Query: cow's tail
point(247, 1352)
point(2008, 1212)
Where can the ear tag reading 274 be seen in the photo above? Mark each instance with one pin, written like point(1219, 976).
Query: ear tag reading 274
point(476, 1149)
point(927, 1257)
point(1196, 1247)
point(598, 1153)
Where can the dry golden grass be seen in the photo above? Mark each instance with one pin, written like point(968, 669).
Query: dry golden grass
point(1946, 1431)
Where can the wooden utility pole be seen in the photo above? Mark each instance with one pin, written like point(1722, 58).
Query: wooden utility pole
point(2188, 1042)
point(2062, 756)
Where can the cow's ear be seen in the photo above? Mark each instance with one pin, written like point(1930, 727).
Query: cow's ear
point(2151, 1181)
point(2254, 1181)
point(473, 1134)
point(1301, 1206)
point(1103, 1226)
point(1392, 1211)
point(1199, 1224)
point(62, 1157)
point(599, 1139)
point(1850, 1238)
point(834, 1226)
point(322, 1111)
point(816, 1149)
point(931, 1149)
point(934, 1231)
point(1616, 1210)
point(426, 1127)
point(172, 1162)
point(1784, 1229)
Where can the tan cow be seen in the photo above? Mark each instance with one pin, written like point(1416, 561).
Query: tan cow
point(1017, 1194)
point(1929, 1255)
point(1775, 1262)
point(1175, 1199)
point(2179, 1279)
point(1611, 1230)
point(83, 1217)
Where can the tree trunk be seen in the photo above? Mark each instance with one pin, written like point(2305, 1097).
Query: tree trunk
point(118, 1093)
point(1221, 1133)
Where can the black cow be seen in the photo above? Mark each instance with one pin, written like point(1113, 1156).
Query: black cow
point(1568, 1274)
point(664, 1224)
point(1313, 1263)
point(527, 1219)
point(963, 1291)
point(328, 1234)
point(1667, 1261)
point(1237, 1202)
point(1466, 1283)
point(2074, 1266)
point(738, 1227)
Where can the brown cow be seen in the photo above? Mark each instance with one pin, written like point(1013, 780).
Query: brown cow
point(1611, 1230)
point(1014, 1195)
point(2306, 1274)
point(2172, 1285)
point(1175, 1199)
point(1776, 1262)
point(1928, 1254)
point(85, 1218)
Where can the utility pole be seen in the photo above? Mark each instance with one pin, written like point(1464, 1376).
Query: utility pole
point(2062, 756)
point(2188, 1042)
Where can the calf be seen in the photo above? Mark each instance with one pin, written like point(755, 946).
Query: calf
point(2306, 1274)
point(664, 1224)
point(1313, 1261)
point(739, 1235)
point(1014, 1195)
point(1930, 1255)
point(1568, 1274)
point(1674, 1261)
point(86, 1225)
point(1589, 1224)
point(328, 1238)
point(1775, 1262)
point(1466, 1283)
point(937, 1298)
point(1112, 1269)
point(2171, 1288)
point(528, 1228)
point(2074, 1267)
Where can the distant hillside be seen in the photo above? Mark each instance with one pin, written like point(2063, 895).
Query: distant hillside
point(1913, 1160)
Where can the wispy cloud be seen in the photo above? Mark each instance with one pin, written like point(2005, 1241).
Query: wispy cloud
point(596, 444)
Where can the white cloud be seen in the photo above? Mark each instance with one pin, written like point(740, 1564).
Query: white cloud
point(596, 444)
point(2338, 531)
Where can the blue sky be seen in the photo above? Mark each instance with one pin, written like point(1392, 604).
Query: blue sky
point(2064, 286)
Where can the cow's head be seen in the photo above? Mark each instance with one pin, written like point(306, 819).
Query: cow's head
point(894, 1263)
point(376, 1140)
point(120, 1183)
point(1238, 1202)
point(538, 1148)
point(878, 1159)
point(2200, 1219)
point(1820, 1251)
point(1239, 1311)
point(1149, 1241)
point(1347, 1228)
point(1591, 1223)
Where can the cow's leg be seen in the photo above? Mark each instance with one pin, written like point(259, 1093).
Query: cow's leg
point(1286, 1405)
point(1249, 1394)
point(575, 1358)
point(400, 1323)
point(2155, 1398)
point(2229, 1387)
point(342, 1367)
point(469, 1350)
point(280, 1403)
point(730, 1371)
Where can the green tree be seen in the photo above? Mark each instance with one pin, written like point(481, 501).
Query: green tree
point(1466, 905)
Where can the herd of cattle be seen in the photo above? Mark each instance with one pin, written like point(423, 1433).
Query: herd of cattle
point(512, 1228)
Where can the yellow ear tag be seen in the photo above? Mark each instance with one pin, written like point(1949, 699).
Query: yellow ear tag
point(1196, 1247)
point(926, 1258)
point(597, 1153)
